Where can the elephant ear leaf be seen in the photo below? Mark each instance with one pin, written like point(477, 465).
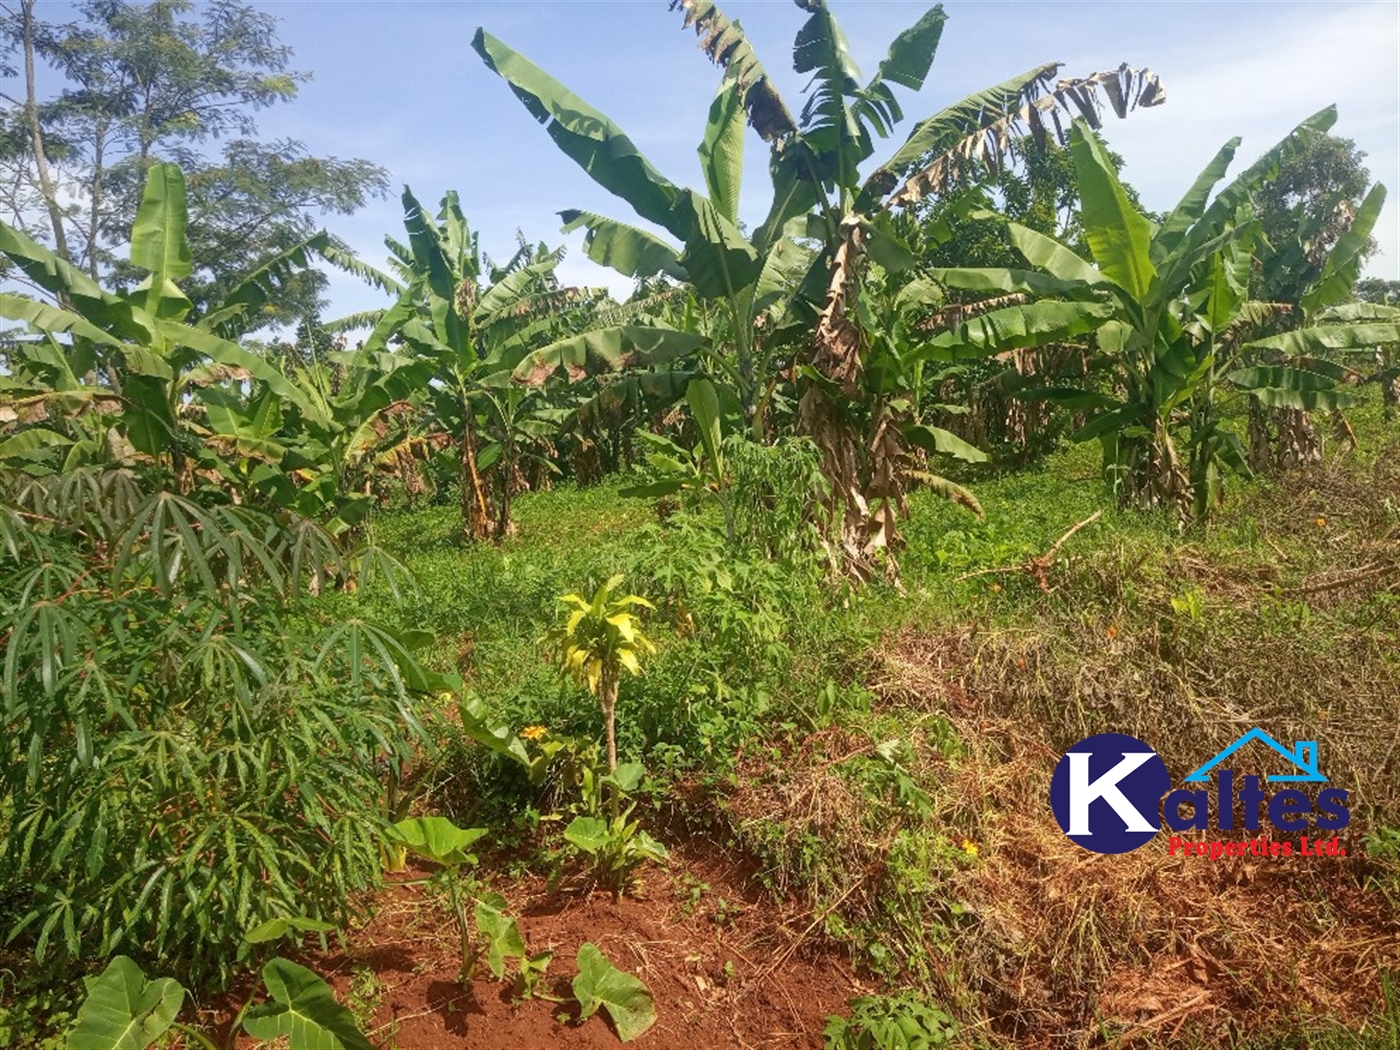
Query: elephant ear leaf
point(123, 1010)
point(626, 998)
point(304, 1011)
point(502, 933)
point(438, 839)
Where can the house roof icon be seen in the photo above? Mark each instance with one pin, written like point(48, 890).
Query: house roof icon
point(1303, 756)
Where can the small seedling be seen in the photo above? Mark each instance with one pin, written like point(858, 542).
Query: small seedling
point(531, 977)
point(617, 844)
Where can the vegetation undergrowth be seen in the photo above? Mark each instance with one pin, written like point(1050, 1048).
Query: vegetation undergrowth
point(782, 562)
point(830, 735)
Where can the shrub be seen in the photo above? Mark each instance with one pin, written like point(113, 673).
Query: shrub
point(190, 746)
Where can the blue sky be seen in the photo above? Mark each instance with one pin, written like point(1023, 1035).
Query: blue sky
point(399, 84)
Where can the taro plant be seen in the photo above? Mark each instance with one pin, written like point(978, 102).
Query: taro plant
point(616, 844)
point(625, 998)
point(438, 840)
point(504, 941)
point(126, 1011)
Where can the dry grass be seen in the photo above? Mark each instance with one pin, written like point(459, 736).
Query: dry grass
point(1069, 948)
point(1292, 622)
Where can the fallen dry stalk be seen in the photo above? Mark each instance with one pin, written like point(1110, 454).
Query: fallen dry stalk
point(1366, 572)
point(1037, 567)
point(793, 945)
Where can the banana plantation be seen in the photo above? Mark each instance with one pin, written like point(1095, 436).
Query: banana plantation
point(521, 662)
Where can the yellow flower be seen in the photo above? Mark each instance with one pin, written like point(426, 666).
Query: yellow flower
point(1112, 633)
point(533, 732)
point(969, 847)
point(1322, 523)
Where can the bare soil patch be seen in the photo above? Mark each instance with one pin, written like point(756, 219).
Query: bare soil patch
point(701, 936)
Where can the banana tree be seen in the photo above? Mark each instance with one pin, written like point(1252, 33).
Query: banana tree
point(484, 329)
point(745, 278)
point(1314, 269)
point(358, 419)
point(772, 285)
point(140, 360)
point(1164, 306)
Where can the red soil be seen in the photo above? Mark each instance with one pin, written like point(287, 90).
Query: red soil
point(724, 967)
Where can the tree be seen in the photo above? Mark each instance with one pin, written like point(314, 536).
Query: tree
point(160, 80)
point(1324, 181)
point(486, 328)
point(600, 639)
point(815, 162)
point(1167, 306)
point(1316, 215)
point(137, 365)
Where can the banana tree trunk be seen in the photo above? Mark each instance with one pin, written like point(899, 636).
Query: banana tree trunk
point(1153, 477)
point(1388, 374)
point(863, 461)
point(476, 517)
point(1298, 440)
point(1261, 445)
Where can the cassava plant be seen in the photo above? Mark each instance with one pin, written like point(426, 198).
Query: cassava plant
point(191, 746)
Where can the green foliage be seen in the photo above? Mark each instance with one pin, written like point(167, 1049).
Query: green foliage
point(601, 638)
point(626, 998)
point(616, 844)
point(532, 971)
point(738, 604)
point(438, 840)
point(501, 933)
point(1165, 305)
point(147, 80)
point(895, 1022)
point(779, 497)
point(303, 1010)
point(194, 746)
point(275, 929)
point(123, 1010)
